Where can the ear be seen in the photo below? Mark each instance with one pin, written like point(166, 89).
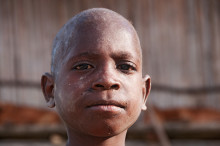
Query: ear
point(47, 85)
point(146, 90)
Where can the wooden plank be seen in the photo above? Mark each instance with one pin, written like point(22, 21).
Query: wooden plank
point(180, 41)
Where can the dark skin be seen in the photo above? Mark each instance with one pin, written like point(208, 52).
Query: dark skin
point(98, 89)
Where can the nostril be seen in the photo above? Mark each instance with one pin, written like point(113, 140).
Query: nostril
point(115, 86)
point(103, 86)
point(99, 86)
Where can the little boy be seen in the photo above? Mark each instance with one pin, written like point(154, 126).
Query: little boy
point(96, 79)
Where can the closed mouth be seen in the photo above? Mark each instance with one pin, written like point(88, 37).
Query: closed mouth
point(107, 104)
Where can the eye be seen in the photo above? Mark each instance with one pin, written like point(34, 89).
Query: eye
point(83, 66)
point(126, 67)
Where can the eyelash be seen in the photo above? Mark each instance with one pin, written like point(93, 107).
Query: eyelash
point(125, 67)
point(83, 66)
point(128, 67)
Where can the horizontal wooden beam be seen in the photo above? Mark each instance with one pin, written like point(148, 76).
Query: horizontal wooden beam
point(155, 87)
point(208, 131)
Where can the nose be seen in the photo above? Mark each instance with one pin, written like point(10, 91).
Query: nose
point(106, 80)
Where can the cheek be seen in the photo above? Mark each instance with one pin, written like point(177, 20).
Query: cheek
point(67, 95)
point(135, 103)
point(135, 98)
point(67, 106)
point(70, 94)
point(134, 88)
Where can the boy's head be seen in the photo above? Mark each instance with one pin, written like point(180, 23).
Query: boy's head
point(96, 79)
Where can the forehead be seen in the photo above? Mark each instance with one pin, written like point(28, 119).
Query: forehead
point(113, 40)
point(92, 29)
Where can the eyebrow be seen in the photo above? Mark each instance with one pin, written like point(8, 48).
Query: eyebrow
point(84, 54)
point(81, 56)
point(122, 55)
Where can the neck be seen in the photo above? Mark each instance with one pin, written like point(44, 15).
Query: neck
point(87, 140)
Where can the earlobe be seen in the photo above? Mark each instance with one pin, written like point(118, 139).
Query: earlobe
point(47, 85)
point(51, 102)
point(146, 90)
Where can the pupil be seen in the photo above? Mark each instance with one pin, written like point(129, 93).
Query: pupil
point(84, 66)
point(125, 67)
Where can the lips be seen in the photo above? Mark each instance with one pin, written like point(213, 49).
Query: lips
point(108, 104)
point(111, 106)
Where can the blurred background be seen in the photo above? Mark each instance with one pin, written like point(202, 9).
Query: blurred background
point(181, 53)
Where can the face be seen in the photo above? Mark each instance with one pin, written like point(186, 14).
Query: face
point(99, 89)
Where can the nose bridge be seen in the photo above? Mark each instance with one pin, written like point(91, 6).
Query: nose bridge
point(107, 74)
point(106, 77)
point(107, 71)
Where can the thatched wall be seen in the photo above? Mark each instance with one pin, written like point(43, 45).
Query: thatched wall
point(180, 41)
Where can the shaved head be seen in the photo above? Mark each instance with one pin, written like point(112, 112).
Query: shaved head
point(96, 80)
point(97, 21)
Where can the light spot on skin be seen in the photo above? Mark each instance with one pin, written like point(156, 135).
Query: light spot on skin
point(81, 78)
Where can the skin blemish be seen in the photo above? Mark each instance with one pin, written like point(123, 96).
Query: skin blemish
point(81, 78)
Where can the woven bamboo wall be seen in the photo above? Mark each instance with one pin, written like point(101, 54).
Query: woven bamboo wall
point(180, 41)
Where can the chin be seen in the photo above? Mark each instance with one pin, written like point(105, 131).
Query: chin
point(108, 128)
point(107, 132)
